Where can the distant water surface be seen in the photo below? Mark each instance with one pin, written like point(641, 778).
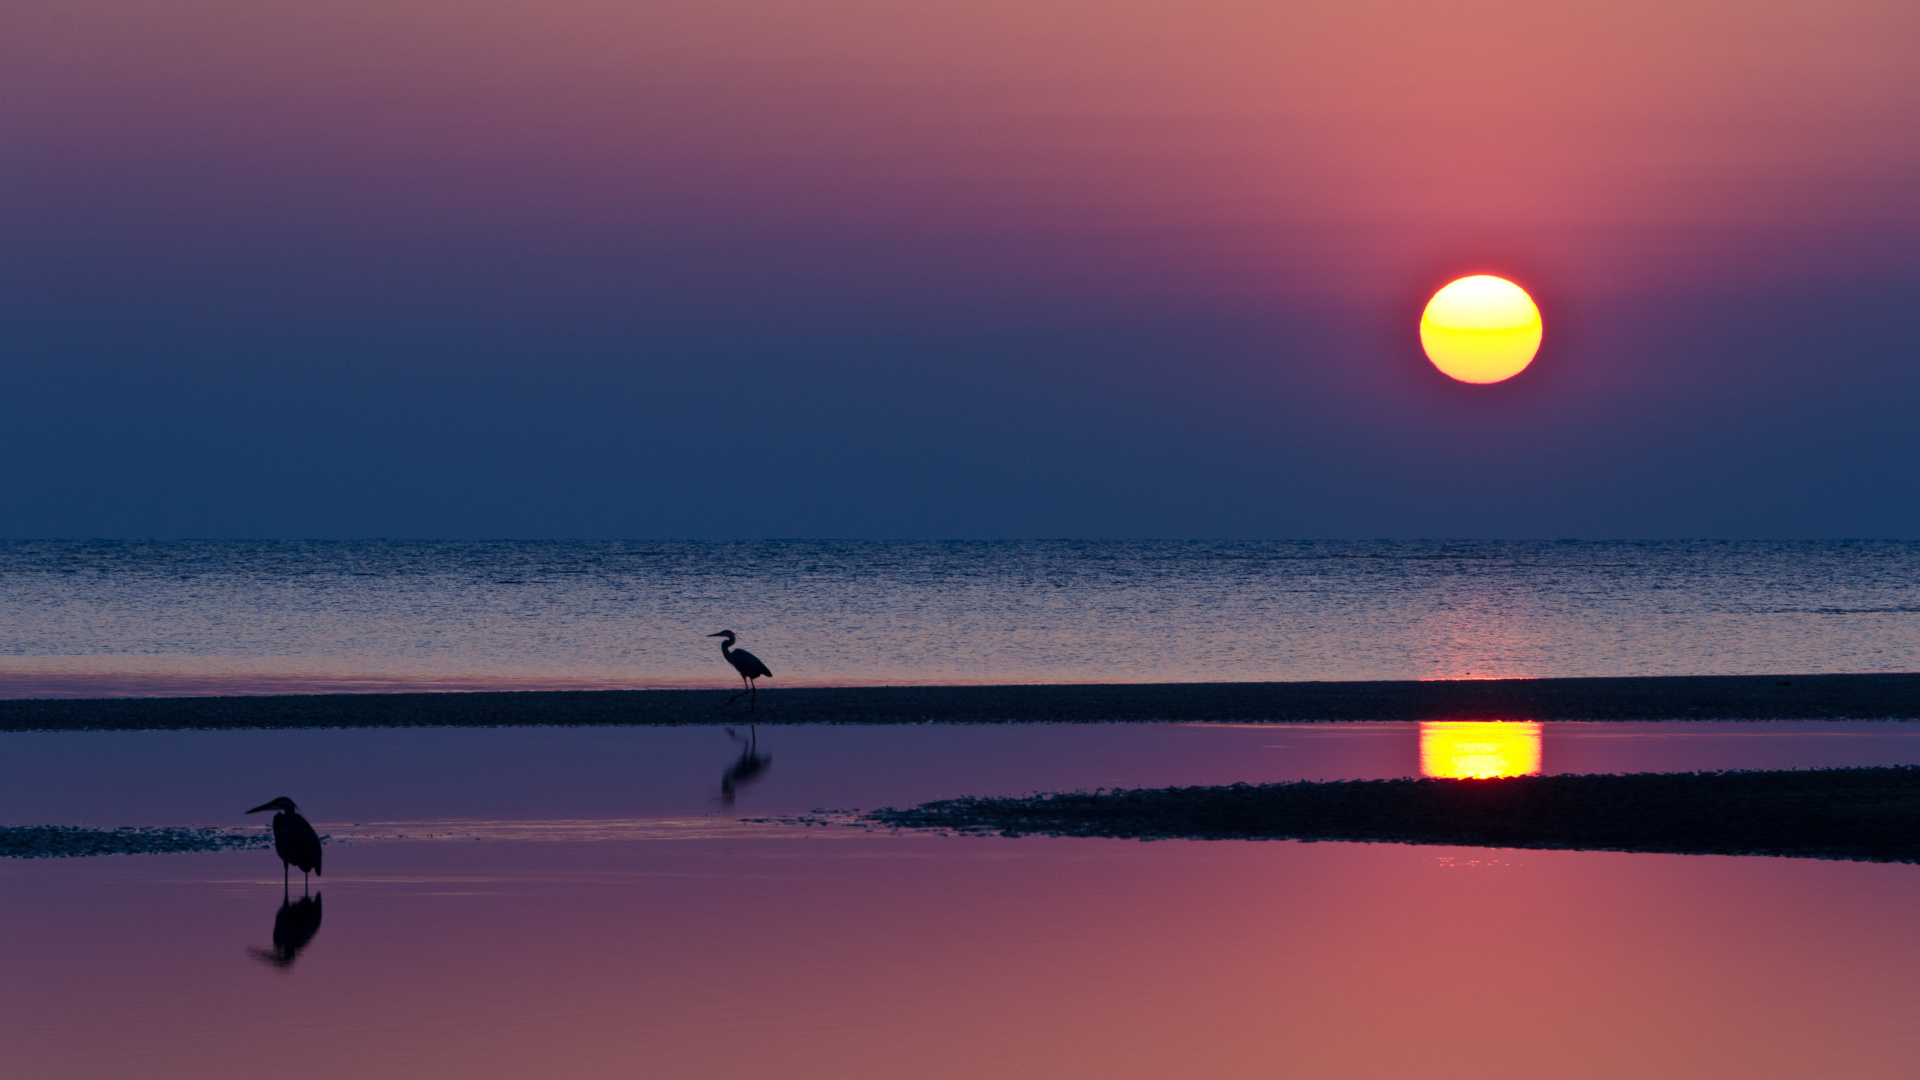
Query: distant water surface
point(99, 618)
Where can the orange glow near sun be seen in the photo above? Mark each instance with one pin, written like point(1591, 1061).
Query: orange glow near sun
point(1481, 329)
point(1476, 750)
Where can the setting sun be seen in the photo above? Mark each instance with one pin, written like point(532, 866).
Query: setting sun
point(1477, 750)
point(1481, 329)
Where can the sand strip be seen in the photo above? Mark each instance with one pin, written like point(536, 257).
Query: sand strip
point(1738, 697)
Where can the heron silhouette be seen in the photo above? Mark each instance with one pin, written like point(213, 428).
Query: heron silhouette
point(747, 664)
point(751, 764)
point(293, 928)
point(293, 839)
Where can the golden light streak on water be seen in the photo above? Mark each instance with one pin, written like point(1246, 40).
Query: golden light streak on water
point(1477, 749)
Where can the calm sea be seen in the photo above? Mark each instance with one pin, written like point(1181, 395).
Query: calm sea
point(621, 901)
point(91, 618)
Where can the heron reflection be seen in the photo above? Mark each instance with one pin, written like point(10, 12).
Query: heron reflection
point(747, 769)
point(293, 929)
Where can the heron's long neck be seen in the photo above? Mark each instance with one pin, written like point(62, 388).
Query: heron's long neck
point(726, 648)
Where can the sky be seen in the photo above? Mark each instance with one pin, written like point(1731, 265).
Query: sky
point(953, 268)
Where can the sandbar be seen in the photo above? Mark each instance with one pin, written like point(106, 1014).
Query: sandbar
point(1870, 814)
point(1710, 697)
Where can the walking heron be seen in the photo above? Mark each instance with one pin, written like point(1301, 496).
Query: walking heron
point(293, 839)
point(747, 664)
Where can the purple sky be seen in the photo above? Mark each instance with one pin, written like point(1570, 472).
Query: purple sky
point(850, 268)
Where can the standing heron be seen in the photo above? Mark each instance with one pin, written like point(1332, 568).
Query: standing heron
point(293, 840)
point(747, 664)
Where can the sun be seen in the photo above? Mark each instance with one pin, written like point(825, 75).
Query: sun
point(1481, 329)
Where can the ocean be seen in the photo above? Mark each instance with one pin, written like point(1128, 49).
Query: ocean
point(103, 618)
point(702, 900)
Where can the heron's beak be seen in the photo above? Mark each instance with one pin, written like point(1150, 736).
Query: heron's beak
point(722, 633)
point(262, 806)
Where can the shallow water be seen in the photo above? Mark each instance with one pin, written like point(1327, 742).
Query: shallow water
point(585, 903)
point(85, 618)
point(806, 955)
point(355, 776)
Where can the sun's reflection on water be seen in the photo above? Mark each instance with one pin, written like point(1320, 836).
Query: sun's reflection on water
point(1478, 749)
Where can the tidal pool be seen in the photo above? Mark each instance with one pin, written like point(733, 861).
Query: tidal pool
point(586, 902)
point(353, 776)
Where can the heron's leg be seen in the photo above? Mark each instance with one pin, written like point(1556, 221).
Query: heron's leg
point(753, 700)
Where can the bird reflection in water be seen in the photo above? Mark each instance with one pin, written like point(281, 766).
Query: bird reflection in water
point(1479, 749)
point(293, 928)
point(747, 769)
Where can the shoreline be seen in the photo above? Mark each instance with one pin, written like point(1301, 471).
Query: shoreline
point(1680, 697)
point(76, 842)
point(1868, 814)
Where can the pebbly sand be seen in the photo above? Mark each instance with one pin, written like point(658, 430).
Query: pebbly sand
point(68, 841)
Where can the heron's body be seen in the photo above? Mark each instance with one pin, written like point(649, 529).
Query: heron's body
point(744, 662)
point(293, 839)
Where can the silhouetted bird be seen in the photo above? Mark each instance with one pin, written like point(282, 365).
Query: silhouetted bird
point(751, 764)
point(747, 664)
point(294, 926)
point(293, 839)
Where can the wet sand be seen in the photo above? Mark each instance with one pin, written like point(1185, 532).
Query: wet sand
point(1739, 697)
point(1861, 814)
point(67, 841)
